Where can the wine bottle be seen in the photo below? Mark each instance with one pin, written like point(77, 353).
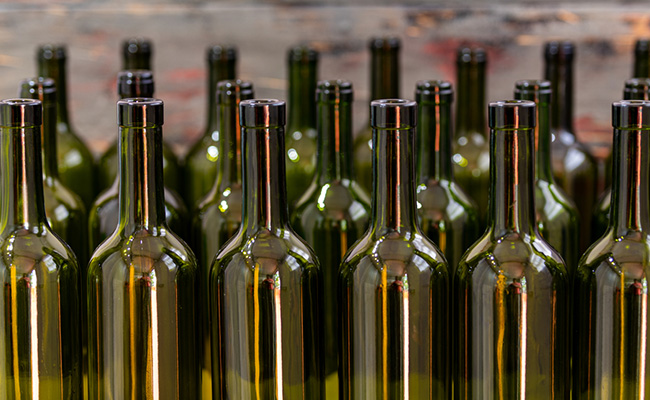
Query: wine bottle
point(641, 59)
point(202, 160)
point(219, 214)
point(142, 281)
point(75, 162)
point(393, 282)
point(611, 352)
point(574, 168)
point(137, 56)
point(384, 84)
point(471, 148)
point(555, 213)
point(40, 345)
point(511, 290)
point(265, 283)
point(334, 211)
point(104, 215)
point(447, 215)
point(301, 128)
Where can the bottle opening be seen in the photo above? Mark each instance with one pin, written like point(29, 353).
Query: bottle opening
point(20, 112)
point(512, 114)
point(262, 113)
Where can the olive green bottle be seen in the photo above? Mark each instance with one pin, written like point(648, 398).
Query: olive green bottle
point(136, 55)
point(40, 345)
point(201, 162)
point(219, 214)
point(611, 358)
point(471, 149)
point(555, 212)
point(266, 284)
point(142, 280)
point(447, 215)
point(384, 84)
point(511, 290)
point(104, 215)
point(333, 213)
point(75, 162)
point(301, 128)
point(641, 59)
point(574, 168)
point(393, 284)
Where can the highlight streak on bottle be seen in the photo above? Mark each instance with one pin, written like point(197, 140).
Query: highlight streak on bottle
point(132, 329)
point(14, 329)
point(278, 335)
point(384, 331)
point(154, 336)
point(621, 345)
point(643, 344)
point(523, 333)
point(256, 334)
point(442, 239)
point(33, 315)
point(405, 324)
point(501, 320)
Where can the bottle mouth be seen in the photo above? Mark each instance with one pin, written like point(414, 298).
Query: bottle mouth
point(637, 88)
point(233, 90)
point(334, 90)
point(262, 113)
point(512, 114)
point(387, 43)
point(533, 89)
point(302, 54)
point(436, 91)
point(393, 114)
point(222, 52)
point(559, 50)
point(471, 55)
point(140, 112)
point(38, 88)
point(20, 112)
point(135, 83)
point(51, 51)
point(137, 45)
point(631, 114)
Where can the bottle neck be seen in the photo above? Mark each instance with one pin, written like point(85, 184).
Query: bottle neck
point(22, 175)
point(561, 76)
point(302, 92)
point(230, 167)
point(217, 71)
point(543, 142)
point(55, 69)
point(264, 189)
point(641, 64)
point(48, 138)
point(141, 195)
point(393, 194)
point(434, 141)
point(471, 107)
point(512, 207)
point(384, 75)
point(630, 181)
point(334, 159)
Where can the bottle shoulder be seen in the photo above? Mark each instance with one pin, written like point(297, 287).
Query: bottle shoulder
point(223, 203)
point(68, 140)
point(446, 199)
point(204, 150)
point(619, 253)
point(27, 249)
point(552, 202)
point(340, 200)
point(56, 194)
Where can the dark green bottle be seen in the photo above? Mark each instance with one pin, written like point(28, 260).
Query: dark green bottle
point(393, 283)
point(611, 359)
point(384, 84)
point(447, 215)
point(511, 290)
point(201, 162)
point(333, 213)
point(75, 162)
point(641, 59)
point(40, 345)
point(574, 168)
point(219, 214)
point(142, 281)
point(265, 284)
point(301, 128)
point(471, 149)
point(555, 212)
point(136, 55)
point(104, 215)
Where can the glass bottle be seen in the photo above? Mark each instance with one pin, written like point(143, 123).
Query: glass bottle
point(137, 56)
point(219, 214)
point(574, 168)
point(301, 128)
point(142, 280)
point(334, 211)
point(40, 347)
point(201, 162)
point(555, 212)
point(75, 162)
point(447, 215)
point(104, 215)
point(611, 286)
point(511, 293)
point(641, 59)
point(384, 84)
point(393, 283)
point(265, 283)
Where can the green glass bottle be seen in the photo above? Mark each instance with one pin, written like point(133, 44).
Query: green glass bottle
point(40, 345)
point(219, 214)
point(393, 284)
point(574, 168)
point(611, 288)
point(334, 212)
point(104, 215)
point(142, 281)
point(75, 162)
point(202, 160)
point(471, 156)
point(301, 128)
point(265, 284)
point(447, 215)
point(641, 59)
point(555, 212)
point(511, 290)
point(384, 84)
point(136, 55)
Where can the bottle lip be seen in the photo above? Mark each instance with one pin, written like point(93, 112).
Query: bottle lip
point(631, 114)
point(533, 89)
point(334, 90)
point(434, 90)
point(560, 50)
point(20, 113)
point(642, 46)
point(384, 43)
point(135, 83)
point(262, 113)
point(221, 52)
point(636, 86)
point(233, 90)
point(136, 45)
point(512, 114)
point(471, 55)
point(393, 114)
point(51, 51)
point(302, 53)
point(37, 88)
point(140, 112)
